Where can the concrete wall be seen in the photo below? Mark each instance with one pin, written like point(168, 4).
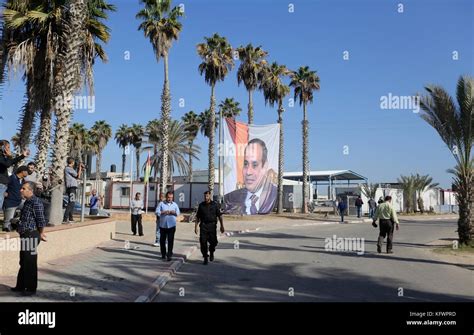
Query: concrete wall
point(63, 240)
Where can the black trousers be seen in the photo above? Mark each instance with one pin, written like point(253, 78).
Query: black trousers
point(167, 234)
point(28, 274)
point(386, 229)
point(137, 219)
point(71, 195)
point(208, 234)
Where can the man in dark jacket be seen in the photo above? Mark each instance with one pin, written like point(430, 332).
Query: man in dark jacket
point(7, 160)
point(358, 204)
point(207, 215)
point(13, 197)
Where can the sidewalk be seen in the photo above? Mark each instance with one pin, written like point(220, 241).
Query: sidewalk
point(128, 268)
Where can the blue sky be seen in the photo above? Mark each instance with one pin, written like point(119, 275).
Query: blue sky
point(389, 52)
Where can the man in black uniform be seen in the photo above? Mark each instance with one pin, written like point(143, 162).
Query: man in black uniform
point(207, 215)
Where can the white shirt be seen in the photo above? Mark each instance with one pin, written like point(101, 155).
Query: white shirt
point(248, 202)
point(137, 206)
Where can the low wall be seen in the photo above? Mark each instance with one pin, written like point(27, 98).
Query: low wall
point(62, 240)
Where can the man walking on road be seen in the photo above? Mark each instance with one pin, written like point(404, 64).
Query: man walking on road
point(208, 213)
point(358, 204)
point(387, 217)
point(167, 211)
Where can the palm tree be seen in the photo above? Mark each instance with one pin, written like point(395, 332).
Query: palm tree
point(161, 25)
point(191, 128)
point(455, 124)
point(216, 54)
point(77, 134)
point(123, 139)
point(274, 91)
point(229, 108)
point(153, 132)
point(137, 133)
point(101, 133)
point(369, 190)
point(33, 38)
point(423, 184)
point(204, 123)
point(408, 185)
point(252, 62)
point(67, 83)
point(304, 82)
point(179, 150)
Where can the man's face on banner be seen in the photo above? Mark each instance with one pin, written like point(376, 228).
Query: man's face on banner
point(254, 171)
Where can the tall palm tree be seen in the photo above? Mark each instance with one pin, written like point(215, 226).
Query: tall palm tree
point(161, 25)
point(179, 150)
point(230, 108)
point(423, 184)
point(67, 82)
point(35, 31)
point(408, 185)
point(304, 82)
point(274, 91)
point(153, 132)
point(101, 133)
point(123, 139)
point(204, 119)
point(77, 134)
point(137, 133)
point(191, 128)
point(455, 124)
point(252, 62)
point(217, 61)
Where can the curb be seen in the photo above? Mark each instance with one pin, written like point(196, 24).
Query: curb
point(154, 288)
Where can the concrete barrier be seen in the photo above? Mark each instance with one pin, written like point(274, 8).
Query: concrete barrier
point(62, 240)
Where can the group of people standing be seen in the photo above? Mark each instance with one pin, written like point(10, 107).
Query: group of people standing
point(167, 211)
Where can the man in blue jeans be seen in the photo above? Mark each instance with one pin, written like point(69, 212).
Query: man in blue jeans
point(358, 204)
point(341, 206)
point(157, 238)
point(168, 211)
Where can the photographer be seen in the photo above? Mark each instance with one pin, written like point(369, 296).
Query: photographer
point(71, 177)
point(7, 160)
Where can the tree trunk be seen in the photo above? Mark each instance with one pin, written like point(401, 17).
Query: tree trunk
point(280, 160)
point(250, 108)
point(43, 140)
point(98, 167)
point(190, 162)
point(305, 160)
point(67, 82)
point(421, 205)
point(27, 118)
point(464, 197)
point(212, 131)
point(165, 119)
point(124, 160)
point(155, 154)
point(137, 162)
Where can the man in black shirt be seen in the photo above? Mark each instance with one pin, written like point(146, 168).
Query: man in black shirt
point(208, 213)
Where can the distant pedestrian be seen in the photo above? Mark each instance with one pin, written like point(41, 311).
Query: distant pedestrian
point(168, 211)
point(388, 220)
point(137, 210)
point(358, 204)
point(207, 215)
point(7, 160)
point(372, 207)
point(94, 203)
point(71, 177)
point(30, 228)
point(157, 235)
point(13, 196)
point(341, 207)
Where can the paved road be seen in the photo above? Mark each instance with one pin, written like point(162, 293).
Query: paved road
point(292, 264)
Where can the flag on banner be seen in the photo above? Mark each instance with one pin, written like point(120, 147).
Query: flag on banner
point(147, 168)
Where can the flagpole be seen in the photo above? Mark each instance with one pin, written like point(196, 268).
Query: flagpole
point(131, 180)
point(221, 160)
